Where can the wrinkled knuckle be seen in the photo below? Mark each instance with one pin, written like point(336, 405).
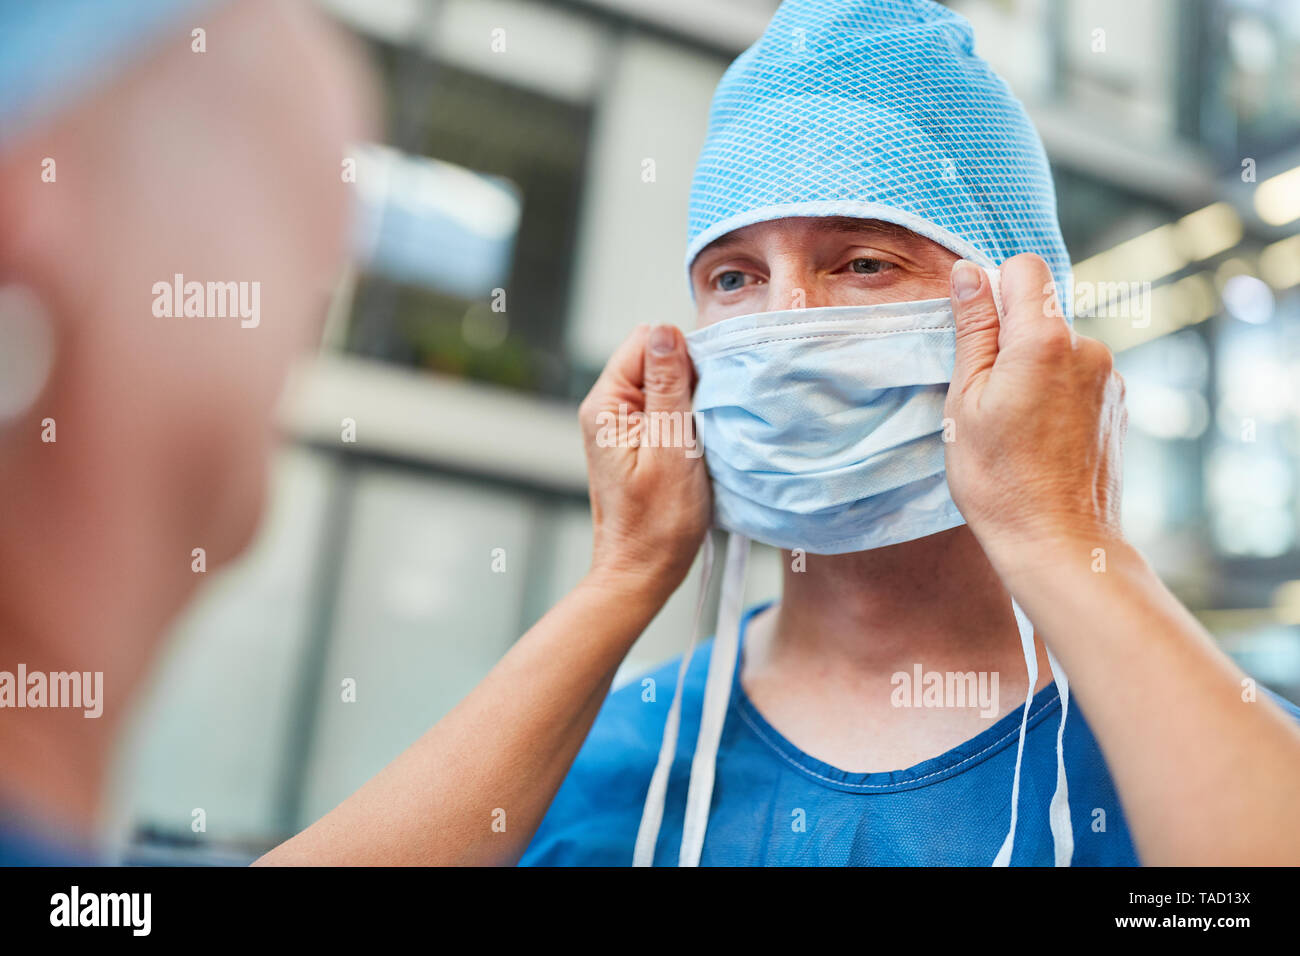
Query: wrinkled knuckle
point(977, 320)
point(1096, 356)
point(1056, 343)
point(664, 380)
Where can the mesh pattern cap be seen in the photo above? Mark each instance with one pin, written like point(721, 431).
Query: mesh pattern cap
point(876, 109)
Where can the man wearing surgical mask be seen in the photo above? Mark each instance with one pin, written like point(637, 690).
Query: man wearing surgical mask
point(937, 454)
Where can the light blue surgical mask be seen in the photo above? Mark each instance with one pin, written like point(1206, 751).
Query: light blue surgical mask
point(823, 429)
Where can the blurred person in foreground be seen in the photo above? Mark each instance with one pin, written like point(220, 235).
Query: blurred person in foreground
point(130, 438)
point(132, 433)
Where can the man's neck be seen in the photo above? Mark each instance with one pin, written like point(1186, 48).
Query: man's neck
point(52, 769)
point(936, 598)
point(69, 604)
point(821, 665)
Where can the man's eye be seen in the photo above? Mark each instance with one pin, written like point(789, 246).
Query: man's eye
point(868, 266)
point(730, 281)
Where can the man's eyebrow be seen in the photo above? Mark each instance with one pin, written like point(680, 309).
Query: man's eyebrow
point(721, 244)
point(877, 227)
point(836, 224)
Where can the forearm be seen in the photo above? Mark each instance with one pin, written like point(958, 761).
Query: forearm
point(1205, 772)
point(497, 758)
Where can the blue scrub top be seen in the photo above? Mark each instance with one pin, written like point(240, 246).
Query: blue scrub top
point(29, 845)
point(774, 805)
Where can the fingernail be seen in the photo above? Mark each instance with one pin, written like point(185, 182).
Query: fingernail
point(966, 279)
point(661, 340)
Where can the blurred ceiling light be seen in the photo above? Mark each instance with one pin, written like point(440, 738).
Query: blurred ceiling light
point(1197, 297)
point(1248, 299)
point(1254, 386)
point(1188, 301)
point(1166, 249)
point(1252, 45)
point(1249, 497)
point(1236, 266)
point(1183, 361)
point(1277, 200)
point(1143, 258)
point(1165, 412)
point(1279, 263)
point(1209, 231)
point(1254, 531)
point(1238, 475)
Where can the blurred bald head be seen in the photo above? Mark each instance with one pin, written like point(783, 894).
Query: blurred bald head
point(222, 167)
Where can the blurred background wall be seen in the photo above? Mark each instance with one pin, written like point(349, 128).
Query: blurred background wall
point(528, 209)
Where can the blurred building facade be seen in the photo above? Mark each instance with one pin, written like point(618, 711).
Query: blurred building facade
point(528, 209)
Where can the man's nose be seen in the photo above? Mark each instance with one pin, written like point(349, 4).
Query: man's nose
point(794, 285)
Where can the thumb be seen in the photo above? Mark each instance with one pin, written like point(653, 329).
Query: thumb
point(976, 318)
point(667, 374)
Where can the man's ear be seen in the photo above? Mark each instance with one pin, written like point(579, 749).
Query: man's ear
point(27, 343)
point(34, 219)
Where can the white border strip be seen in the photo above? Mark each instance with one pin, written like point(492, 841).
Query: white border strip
point(853, 209)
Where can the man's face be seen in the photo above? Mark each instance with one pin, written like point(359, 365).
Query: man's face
point(812, 262)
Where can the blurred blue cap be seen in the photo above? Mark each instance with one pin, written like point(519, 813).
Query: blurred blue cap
point(54, 51)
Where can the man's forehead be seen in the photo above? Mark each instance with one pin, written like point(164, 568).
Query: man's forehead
point(802, 225)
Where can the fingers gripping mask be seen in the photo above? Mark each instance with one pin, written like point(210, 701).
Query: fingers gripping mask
point(823, 429)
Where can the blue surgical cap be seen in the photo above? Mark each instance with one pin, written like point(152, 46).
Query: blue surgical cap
point(876, 109)
point(53, 51)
